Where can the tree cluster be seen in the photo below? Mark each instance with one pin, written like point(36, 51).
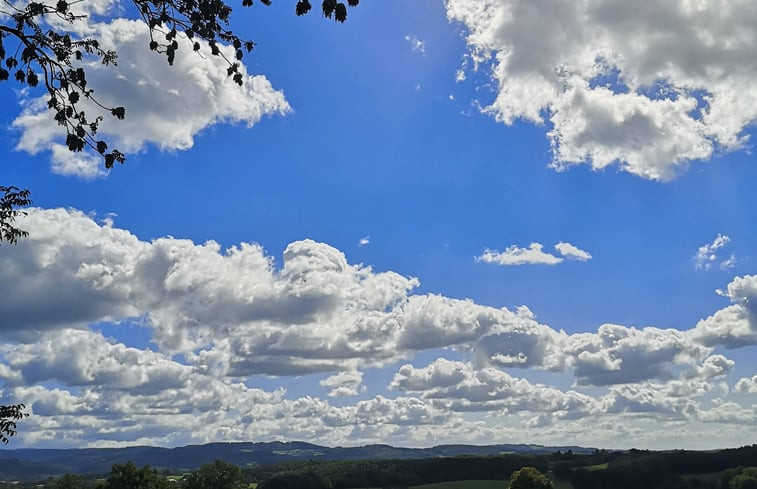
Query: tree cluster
point(530, 478)
point(348, 474)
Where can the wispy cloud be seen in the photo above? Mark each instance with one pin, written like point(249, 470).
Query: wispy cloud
point(364, 241)
point(416, 44)
point(708, 254)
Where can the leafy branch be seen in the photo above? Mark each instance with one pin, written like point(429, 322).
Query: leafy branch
point(12, 198)
point(53, 58)
point(8, 417)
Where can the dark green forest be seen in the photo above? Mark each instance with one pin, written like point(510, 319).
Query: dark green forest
point(602, 469)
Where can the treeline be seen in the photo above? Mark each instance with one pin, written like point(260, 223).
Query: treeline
point(724, 469)
point(349, 474)
point(680, 469)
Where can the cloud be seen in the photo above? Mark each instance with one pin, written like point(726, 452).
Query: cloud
point(220, 319)
point(533, 255)
point(344, 384)
point(715, 366)
point(743, 290)
point(364, 241)
point(83, 165)
point(747, 385)
point(166, 106)
point(732, 327)
point(569, 251)
point(416, 44)
point(514, 255)
point(621, 355)
point(707, 254)
point(649, 88)
point(461, 387)
point(728, 263)
point(736, 325)
point(236, 313)
point(84, 358)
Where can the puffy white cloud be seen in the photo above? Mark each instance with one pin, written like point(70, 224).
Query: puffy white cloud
point(495, 336)
point(570, 251)
point(166, 106)
point(515, 255)
point(747, 385)
point(649, 87)
point(727, 412)
point(648, 399)
point(83, 358)
point(344, 384)
point(82, 165)
point(237, 314)
point(461, 387)
point(733, 326)
point(317, 313)
point(715, 366)
point(707, 254)
point(730, 327)
point(743, 290)
point(619, 355)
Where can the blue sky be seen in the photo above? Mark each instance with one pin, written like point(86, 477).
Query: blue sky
point(413, 125)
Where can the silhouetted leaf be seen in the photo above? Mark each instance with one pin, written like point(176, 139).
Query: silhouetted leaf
point(46, 54)
point(340, 12)
point(328, 7)
point(303, 7)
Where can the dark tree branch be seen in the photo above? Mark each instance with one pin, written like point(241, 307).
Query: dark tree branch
point(11, 200)
point(57, 56)
point(8, 417)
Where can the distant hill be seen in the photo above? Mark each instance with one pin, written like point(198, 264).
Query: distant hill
point(25, 463)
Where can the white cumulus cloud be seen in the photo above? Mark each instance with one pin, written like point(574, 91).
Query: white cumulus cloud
point(166, 106)
point(221, 319)
point(649, 87)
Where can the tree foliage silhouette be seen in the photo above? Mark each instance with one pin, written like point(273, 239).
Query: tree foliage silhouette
point(11, 199)
point(8, 417)
point(34, 51)
point(39, 46)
